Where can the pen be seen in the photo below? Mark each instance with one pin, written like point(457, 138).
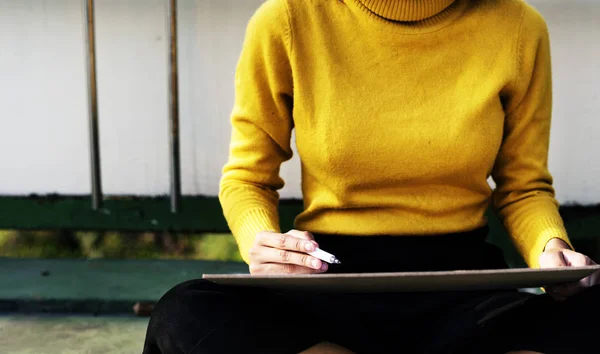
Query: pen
point(325, 256)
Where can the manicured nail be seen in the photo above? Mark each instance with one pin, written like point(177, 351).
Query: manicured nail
point(309, 246)
point(324, 266)
point(314, 263)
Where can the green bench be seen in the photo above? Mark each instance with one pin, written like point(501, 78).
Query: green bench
point(114, 286)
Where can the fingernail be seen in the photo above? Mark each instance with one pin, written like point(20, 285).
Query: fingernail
point(324, 266)
point(309, 246)
point(315, 264)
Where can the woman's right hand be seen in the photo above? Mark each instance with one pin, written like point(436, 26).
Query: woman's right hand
point(275, 253)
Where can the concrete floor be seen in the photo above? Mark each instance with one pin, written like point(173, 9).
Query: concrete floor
point(54, 334)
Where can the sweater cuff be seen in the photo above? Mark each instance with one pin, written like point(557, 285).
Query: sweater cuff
point(545, 229)
point(249, 224)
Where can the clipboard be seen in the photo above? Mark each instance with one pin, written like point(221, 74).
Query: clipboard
point(410, 281)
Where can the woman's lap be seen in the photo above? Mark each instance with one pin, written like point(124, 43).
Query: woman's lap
point(543, 325)
point(201, 317)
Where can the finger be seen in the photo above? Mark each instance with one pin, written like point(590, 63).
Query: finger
point(301, 234)
point(595, 279)
point(576, 259)
point(274, 255)
point(586, 282)
point(567, 258)
point(285, 242)
point(305, 235)
point(553, 259)
point(273, 268)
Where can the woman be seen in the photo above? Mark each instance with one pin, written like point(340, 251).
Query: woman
point(402, 110)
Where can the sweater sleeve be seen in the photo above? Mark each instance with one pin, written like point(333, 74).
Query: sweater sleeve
point(524, 196)
point(261, 127)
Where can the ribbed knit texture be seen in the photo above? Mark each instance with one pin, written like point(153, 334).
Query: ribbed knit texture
point(406, 10)
point(402, 110)
point(249, 222)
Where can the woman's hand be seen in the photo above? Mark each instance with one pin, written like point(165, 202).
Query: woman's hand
point(558, 254)
point(287, 253)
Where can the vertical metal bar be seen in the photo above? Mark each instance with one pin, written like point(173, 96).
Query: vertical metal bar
point(93, 104)
point(174, 107)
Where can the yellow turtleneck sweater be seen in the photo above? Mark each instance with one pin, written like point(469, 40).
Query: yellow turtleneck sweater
point(402, 110)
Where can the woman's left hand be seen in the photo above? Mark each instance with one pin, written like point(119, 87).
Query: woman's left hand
point(558, 254)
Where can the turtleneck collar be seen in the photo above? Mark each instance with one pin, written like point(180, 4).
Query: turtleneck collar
point(406, 10)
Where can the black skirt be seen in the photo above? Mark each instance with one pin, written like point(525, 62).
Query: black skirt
point(201, 317)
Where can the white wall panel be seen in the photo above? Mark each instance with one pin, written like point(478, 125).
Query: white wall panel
point(43, 124)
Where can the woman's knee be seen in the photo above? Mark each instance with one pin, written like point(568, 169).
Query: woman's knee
point(196, 302)
point(185, 313)
point(169, 302)
point(191, 298)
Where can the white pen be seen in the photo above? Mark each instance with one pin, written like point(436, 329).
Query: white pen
point(325, 256)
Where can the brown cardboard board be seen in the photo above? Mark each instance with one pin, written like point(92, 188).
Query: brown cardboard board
point(410, 282)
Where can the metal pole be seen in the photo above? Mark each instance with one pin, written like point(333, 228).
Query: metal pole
point(93, 104)
point(174, 108)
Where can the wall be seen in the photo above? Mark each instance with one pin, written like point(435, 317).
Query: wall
point(43, 125)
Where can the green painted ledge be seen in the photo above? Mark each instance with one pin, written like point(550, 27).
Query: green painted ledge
point(121, 213)
point(198, 213)
point(203, 214)
point(95, 286)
